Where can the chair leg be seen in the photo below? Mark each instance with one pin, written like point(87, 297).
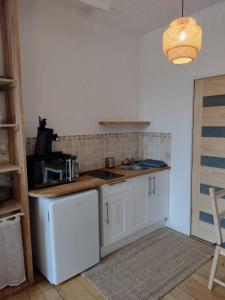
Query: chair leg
point(214, 267)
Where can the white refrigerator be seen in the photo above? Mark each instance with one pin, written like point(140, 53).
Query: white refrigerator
point(65, 234)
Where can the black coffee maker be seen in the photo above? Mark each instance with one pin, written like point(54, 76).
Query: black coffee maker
point(44, 140)
point(46, 168)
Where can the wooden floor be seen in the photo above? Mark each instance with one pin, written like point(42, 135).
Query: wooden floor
point(194, 287)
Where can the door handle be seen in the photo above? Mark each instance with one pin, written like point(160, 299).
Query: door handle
point(154, 185)
point(107, 213)
point(149, 186)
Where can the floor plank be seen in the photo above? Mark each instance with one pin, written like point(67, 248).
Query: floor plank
point(20, 296)
point(198, 291)
point(178, 294)
point(48, 291)
point(78, 288)
point(169, 297)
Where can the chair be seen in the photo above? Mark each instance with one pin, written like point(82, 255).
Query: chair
point(217, 216)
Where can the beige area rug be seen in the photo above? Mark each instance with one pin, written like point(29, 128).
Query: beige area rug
point(149, 268)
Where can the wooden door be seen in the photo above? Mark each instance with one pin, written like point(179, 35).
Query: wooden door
point(208, 153)
point(159, 198)
point(138, 203)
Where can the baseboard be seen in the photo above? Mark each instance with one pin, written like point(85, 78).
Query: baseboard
point(132, 238)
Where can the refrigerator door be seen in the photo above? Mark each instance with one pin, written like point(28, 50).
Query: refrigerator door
point(74, 234)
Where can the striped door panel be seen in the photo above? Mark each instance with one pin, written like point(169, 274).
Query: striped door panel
point(212, 146)
point(208, 154)
point(208, 218)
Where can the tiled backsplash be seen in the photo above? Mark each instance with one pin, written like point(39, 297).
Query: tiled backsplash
point(156, 146)
point(93, 149)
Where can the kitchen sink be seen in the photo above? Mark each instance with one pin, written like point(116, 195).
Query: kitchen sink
point(133, 167)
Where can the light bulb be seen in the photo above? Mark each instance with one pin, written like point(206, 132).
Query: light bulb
point(182, 36)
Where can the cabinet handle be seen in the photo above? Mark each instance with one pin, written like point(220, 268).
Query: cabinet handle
point(154, 185)
point(149, 186)
point(107, 212)
point(117, 182)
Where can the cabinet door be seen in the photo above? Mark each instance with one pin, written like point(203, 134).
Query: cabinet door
point(114, 217)
point(159, 197)
point(138, 203)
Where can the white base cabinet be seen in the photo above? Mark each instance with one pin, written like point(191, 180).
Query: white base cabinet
point(138, 208)
point(133, 205)
point(114, 207)
point(158, 197)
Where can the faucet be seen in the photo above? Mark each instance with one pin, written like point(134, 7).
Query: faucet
point(131, 161)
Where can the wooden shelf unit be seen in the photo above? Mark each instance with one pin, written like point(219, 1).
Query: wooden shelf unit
point(125, 123)
point(4, 168)
point(8, 126)
point(10, 206)
point(7, 83)
point(16, 139)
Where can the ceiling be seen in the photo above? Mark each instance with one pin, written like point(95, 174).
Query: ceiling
point(142, 16)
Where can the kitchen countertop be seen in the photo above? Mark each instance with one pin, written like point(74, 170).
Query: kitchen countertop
point(86, 182)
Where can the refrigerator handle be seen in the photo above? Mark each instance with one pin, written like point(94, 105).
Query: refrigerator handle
point(107, 212)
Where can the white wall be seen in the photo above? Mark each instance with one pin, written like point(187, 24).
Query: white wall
point(166, 98)
point(74, 71)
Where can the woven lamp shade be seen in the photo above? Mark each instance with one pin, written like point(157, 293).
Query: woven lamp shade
point(182, 40)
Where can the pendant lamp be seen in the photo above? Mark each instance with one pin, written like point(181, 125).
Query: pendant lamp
point(182, 40)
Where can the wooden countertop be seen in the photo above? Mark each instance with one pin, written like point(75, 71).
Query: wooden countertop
point(86, 182)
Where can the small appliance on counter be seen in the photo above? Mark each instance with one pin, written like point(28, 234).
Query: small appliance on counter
point(110, 162)
point(46, 168)
point(53, 169)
